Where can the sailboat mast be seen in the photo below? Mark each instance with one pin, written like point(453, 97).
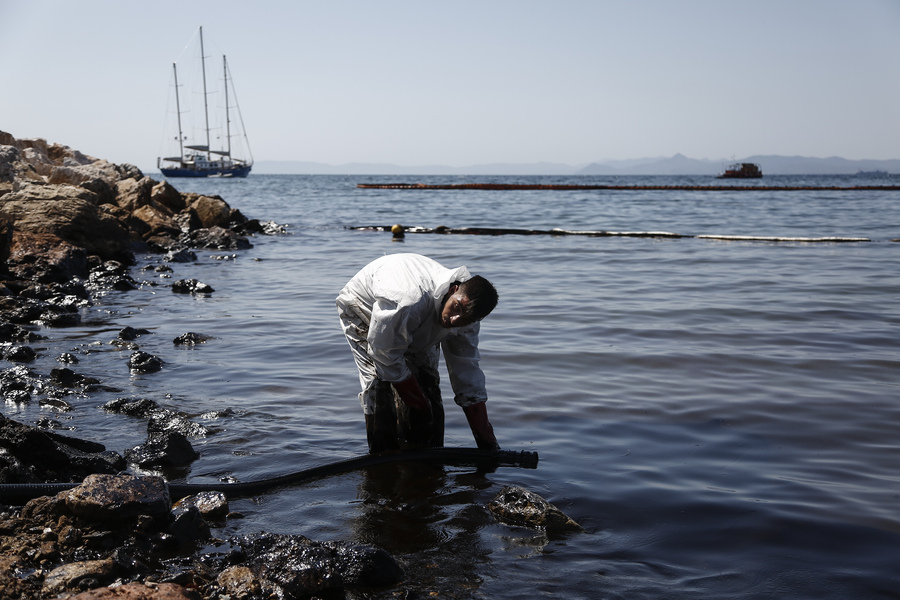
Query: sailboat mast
point(205, 107)
point(227, 117)
point(178, 112)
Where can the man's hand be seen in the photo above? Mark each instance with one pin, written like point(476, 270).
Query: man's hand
point(412, 395)
point(481, 427)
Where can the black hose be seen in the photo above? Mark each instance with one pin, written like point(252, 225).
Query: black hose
point(19, 493)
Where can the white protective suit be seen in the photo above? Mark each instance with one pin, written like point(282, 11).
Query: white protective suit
point(390, 313)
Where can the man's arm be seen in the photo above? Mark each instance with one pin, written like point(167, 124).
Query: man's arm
point(462, 358)
point(467, 379)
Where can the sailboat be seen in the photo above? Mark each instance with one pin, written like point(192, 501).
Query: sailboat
point(197, 157)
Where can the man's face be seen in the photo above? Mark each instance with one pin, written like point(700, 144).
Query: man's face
point(456, 309)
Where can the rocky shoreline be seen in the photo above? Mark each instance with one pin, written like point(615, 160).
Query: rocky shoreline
point(70, 228)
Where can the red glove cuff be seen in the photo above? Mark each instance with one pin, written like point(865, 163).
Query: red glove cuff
point(481, 426)
point(411, 394)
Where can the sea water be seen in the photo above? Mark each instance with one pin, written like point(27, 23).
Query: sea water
point(720, 416)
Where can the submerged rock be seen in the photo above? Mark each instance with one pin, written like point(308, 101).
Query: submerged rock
point(53, 312)
point(182, 255)
point(141, 407)
point(20, 379)
point(130, 333)
point(165, 420)
point(518, 506)
point(217, 238)
point(143, 362)
point(67, 378)
point(16, 353)
point(159, 419)
point(191, 339)
point(15, 333)
point(67, 358)
point(31, 455)
point(161, 450)
point(167, 446)
point(110, 275)
point(191, 286)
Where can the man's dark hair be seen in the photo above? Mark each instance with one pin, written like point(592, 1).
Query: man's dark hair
point(482, 295)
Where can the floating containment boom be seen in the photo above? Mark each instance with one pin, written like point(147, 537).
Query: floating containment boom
point(568, 187)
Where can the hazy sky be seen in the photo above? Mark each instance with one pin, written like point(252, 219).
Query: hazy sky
point(460, 83)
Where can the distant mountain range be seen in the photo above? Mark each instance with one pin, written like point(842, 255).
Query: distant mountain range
point(674, 165)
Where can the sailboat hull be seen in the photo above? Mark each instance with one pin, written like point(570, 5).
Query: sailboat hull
point(241, 171)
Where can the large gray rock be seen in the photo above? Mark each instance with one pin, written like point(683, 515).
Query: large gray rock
point(72, 214)
point(72, 575)
point(9, 156)
point(132, 194)
point(158, 219)
point(293, 566)
point(138, 591)
point(104, 498)
point(211, 210)
point(167, 196)
point(44, 257)
point(96, 176)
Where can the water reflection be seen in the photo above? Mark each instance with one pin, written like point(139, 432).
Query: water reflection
point(430, 520)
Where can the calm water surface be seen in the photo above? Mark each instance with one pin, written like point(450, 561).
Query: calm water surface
point(721, 417)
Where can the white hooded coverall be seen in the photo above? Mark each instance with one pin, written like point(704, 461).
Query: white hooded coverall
point(390, 313)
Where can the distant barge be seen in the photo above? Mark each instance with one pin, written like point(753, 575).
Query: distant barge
point(742, 171)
